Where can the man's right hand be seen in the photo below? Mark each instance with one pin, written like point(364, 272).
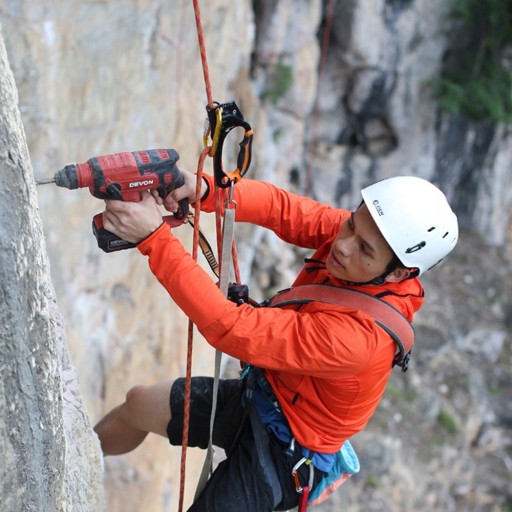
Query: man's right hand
point(186, 191)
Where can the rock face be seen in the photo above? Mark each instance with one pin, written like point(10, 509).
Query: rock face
point(97, 77)
point(50, 457)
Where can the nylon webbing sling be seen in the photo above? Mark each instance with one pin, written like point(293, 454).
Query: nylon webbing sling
point(226, 260)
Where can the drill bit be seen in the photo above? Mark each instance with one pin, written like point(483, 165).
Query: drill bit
point(66, 177)
point(45, 181)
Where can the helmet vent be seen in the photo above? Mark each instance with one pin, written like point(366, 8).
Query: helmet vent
point(445, 235)
point(416, 247)
point(431, 229)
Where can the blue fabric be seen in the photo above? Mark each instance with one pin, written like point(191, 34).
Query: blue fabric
point(348, 459)
point(345, 463)
point(276, 423)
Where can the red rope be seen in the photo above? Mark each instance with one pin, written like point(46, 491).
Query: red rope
point(195, 245)
point(219, 194)
point(202, 49)
point(219, 201)
point(234, 255)
point(188, 373)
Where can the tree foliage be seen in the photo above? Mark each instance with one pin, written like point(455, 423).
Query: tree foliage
point(478, 80)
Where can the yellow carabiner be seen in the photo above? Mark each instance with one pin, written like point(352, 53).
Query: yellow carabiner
point(216, 134)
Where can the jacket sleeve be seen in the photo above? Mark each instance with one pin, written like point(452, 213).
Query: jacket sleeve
point(295, 219)
point(317, 340)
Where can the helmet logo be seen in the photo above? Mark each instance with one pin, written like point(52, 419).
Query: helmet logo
point(379, 209)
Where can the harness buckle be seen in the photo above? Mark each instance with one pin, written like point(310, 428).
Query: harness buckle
point(290, 450)
point(404, 361)
point(238, 293)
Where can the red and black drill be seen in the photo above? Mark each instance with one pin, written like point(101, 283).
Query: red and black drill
point(123, 176)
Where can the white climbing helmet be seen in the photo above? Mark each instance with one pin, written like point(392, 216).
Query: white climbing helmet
point(415, 219)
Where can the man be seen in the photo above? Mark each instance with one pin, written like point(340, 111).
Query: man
point(324, 367)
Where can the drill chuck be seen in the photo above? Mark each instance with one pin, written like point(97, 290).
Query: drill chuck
point(67, 177)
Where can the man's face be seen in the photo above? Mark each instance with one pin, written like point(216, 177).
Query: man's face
point(360, 253)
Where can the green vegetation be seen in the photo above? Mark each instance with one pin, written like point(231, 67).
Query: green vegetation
point(372, 482)
point(478, 82)
point(495, 390)
point(280, 80)
point(448, 422)
point(400, 393)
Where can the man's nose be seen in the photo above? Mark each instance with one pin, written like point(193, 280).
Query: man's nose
point(346, 245)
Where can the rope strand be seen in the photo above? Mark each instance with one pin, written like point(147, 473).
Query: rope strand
point(188, 372)
point(202, 50)
point(195, 245)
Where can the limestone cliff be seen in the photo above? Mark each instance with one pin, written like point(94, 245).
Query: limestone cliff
point(97, 77)
point(50, 456)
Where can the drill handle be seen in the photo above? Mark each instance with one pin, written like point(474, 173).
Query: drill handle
point(108, 242)
point(182, 212)
point(174, 180)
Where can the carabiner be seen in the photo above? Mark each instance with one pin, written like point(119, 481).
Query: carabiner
point(230, 203)
point(295, 473)
point(216, 131)
point(303, 490)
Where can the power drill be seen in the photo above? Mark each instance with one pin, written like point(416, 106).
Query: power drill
point(123, 176)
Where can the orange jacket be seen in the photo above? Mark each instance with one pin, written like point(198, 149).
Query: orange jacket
point(328, 365)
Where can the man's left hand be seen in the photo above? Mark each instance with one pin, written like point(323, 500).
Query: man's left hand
point(132, 221)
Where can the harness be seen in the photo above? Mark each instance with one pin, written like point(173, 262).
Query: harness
point(386, 316)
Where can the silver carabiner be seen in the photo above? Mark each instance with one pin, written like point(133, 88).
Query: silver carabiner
point(230, 203)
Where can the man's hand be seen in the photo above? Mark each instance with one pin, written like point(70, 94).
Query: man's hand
point(132, 221)
point(186, 191)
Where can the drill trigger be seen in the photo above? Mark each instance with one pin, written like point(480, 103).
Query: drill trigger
point(114, 190)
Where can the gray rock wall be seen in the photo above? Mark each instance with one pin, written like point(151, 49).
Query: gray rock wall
point(50, 456)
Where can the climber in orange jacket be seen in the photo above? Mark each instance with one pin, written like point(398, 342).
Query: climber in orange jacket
point(325, 366)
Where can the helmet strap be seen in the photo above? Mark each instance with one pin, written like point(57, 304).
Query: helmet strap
point(379, 280)
point(393, 265)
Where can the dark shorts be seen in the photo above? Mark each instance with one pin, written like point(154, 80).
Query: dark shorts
point(241, 482)
point(229, 412)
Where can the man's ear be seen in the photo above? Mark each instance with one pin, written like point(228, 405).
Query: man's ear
point(399, 274)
